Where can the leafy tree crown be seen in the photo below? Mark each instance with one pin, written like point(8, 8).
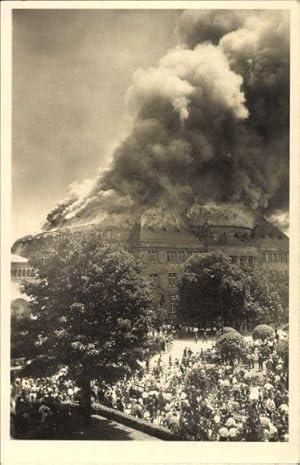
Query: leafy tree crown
point(91, 305)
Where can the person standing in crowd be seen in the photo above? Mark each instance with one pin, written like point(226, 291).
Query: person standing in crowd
point(260, 361)
point(196, 335)
point(255, 353)
point(205, 336)
point(252, 359)
point(147, 364)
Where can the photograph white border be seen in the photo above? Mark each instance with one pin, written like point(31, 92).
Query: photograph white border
point(15, 452)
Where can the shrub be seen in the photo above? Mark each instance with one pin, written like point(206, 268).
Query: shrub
point(231, 345)
point(282, 349)
point(228, 329)
point(263, 332)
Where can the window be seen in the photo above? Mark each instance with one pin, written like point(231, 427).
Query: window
point(251, 260)
point(172, 279)
point(243, 260)
point(173, 300)
point(181, 256)
point(234, 259)
point(153, 256)
point(154, 279)
point(171, 256)
point(270, 256)
point(177, 256)
point(263, 258)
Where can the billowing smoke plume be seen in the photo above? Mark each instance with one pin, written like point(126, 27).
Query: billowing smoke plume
point(211, 127)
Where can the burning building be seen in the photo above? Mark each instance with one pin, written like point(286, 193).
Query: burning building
point(206, 161)
point(162, 252)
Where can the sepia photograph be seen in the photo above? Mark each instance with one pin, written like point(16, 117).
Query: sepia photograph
point(150, 224)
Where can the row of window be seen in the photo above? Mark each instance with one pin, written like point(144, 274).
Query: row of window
point(173, 256)
point(250, 260)
point(22, 273)
point(180, 256)
point(275, 257)
point(172, 279)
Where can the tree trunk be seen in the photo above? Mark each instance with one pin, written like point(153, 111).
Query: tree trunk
point(85, 398)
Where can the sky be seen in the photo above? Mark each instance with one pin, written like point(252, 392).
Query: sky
point(71, 72)
point(149, 115)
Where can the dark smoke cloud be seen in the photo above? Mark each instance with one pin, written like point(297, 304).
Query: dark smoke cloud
point(211, 127)
point(196, 26)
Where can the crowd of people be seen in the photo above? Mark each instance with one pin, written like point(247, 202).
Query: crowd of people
point(197, 397)
point(228, 395)
point(40, 403)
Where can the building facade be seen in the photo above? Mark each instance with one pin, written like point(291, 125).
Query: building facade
point(162, 253)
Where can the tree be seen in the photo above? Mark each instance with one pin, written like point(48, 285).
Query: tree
point(212, 287)
point(21, 343)
point(264, 301)
point(93, 309)
point(280, 283)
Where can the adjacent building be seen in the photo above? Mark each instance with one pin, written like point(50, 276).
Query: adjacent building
point(20, 271)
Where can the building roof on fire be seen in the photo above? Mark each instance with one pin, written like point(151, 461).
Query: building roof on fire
point(143, 235)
